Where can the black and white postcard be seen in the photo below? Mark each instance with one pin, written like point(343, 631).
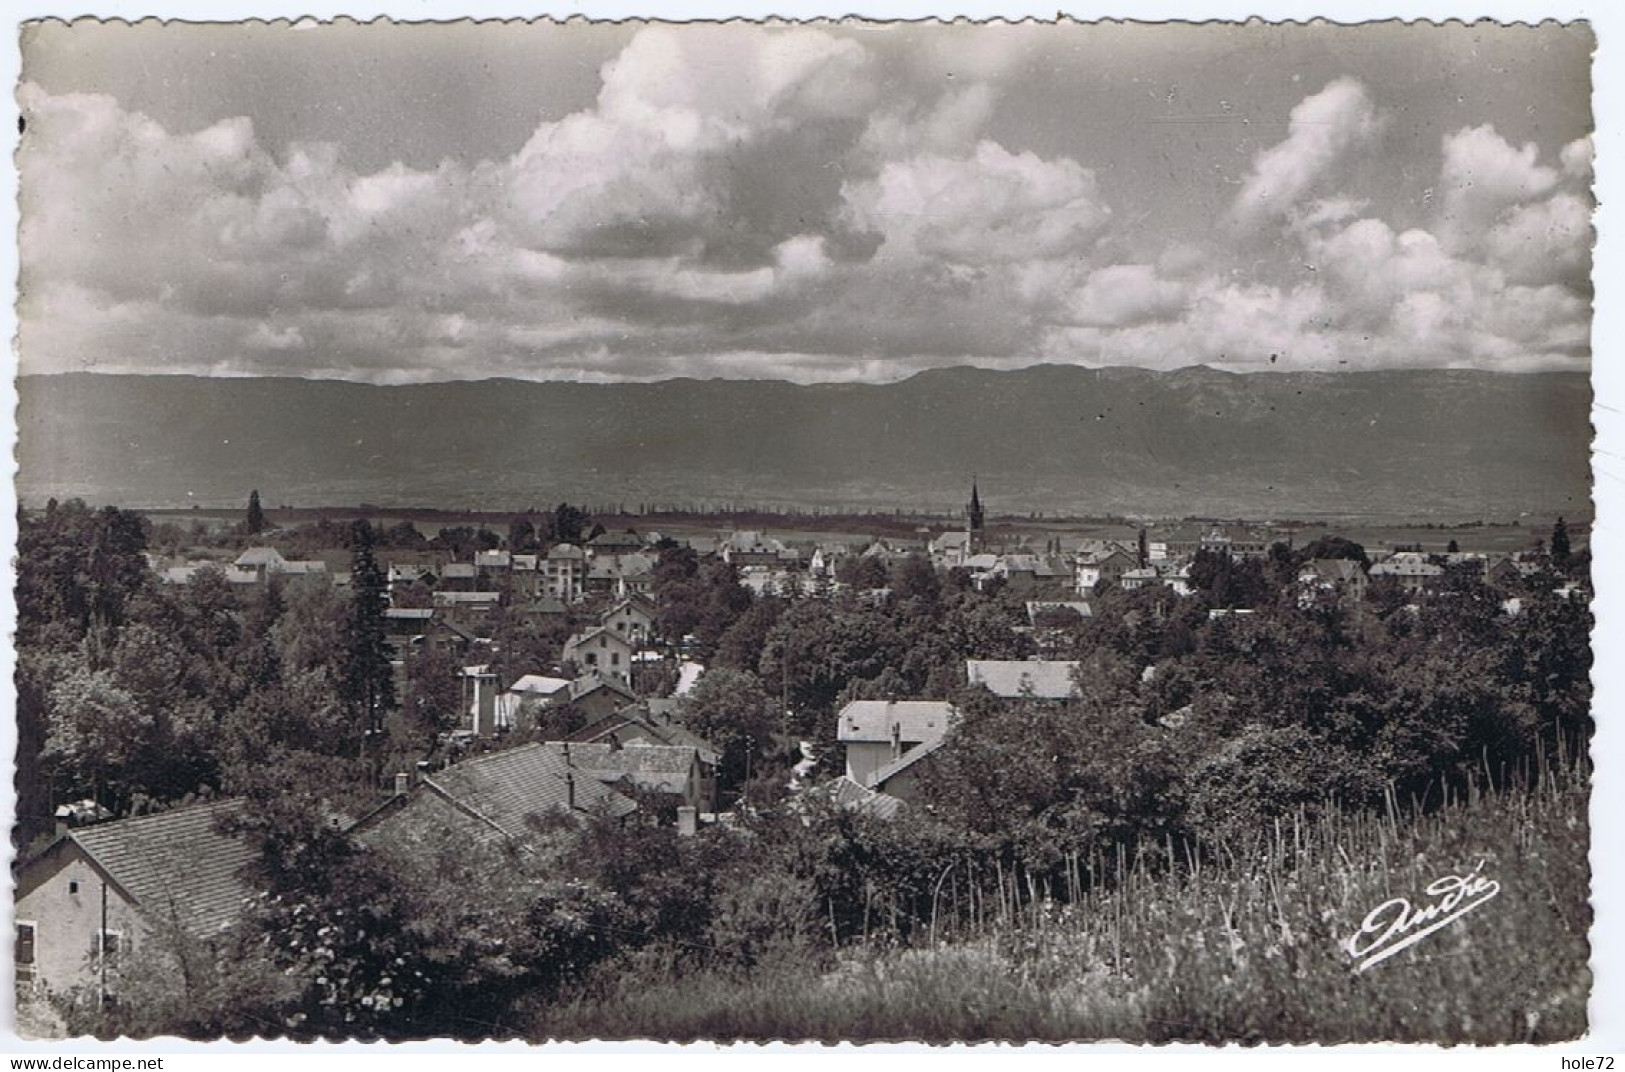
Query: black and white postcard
point(820, 530)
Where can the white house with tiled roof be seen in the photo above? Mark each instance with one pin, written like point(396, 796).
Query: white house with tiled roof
point(114, 887)
point(878, 732)
point(601, 650)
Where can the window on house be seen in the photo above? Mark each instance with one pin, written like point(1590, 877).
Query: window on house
point(73, 886)
point(24, 954)
point(111, 945)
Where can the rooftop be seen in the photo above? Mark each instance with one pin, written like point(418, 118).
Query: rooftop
point(1011, 678)
point(175, 865)
point(916, 720)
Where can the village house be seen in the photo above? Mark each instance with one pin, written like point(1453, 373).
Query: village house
point(1411, 570)
point(601, 650)
point(458, 577)
point(183, 574)
point(508, 798)
point(596, 696)
point(615, 543)
point(620, 575)
point(529, 693)
point(749, 548)
point(564, 573)
point(632, 618)
point(899, 779)
point(645, 722)
point(950, 550)
point(674, 770)
point(879, 732)
point(524, 576)
point(268, 562)
point(1340, 575)
point(1015, 678)
point(98, 896)
point(494, 570)
point(403, 575)
point(1107, 564)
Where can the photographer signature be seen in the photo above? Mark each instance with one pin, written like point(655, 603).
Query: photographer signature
point(1398, 924)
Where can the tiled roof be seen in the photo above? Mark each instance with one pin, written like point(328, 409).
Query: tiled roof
point(1398, 567)
point(903, 762)
point(509, 788)
point(539, 685)
point(578, 639)
point(872, 720)
point(260, 556)
point(458, 571)
point(583, 686)
point(175, 864)
point(565, 551)
point(849, 794)
point(1035, 608)
point(1047, 680)
point(652, 758)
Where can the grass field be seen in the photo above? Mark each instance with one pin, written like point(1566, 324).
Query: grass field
point(1252, 950)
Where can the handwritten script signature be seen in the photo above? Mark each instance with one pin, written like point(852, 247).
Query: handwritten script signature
point(1398, 924)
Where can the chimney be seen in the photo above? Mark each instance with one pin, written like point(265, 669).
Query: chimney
point(566, 753)
point(896, 739)
point(485, 704)
point(403, 782)
point(569, 790)
point(688, 821)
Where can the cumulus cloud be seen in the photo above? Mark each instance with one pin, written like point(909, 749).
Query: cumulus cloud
point(992, 206)
point(812, 208)
point(1482, 177)
point(1125, 294)
point(1321, 130)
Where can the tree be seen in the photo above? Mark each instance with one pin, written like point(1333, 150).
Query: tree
point(569, 524)
point(1333, 547)
point(521, 535)
point(730, 709)
point(254, 523)
point(366, 681)
point(434, 692)
point(1560, 544)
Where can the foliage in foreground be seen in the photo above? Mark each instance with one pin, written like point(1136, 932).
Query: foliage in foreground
point(1249, 950)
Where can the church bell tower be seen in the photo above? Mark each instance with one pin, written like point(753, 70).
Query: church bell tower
point(973, 519)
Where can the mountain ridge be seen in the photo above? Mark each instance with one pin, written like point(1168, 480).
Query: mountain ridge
point(1278, 443)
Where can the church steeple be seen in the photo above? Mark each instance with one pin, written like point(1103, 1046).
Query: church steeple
point(973, 517)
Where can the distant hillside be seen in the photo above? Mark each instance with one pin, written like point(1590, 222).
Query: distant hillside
point(1414, 444)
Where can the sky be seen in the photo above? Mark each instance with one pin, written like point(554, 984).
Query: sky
point(815, 202)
